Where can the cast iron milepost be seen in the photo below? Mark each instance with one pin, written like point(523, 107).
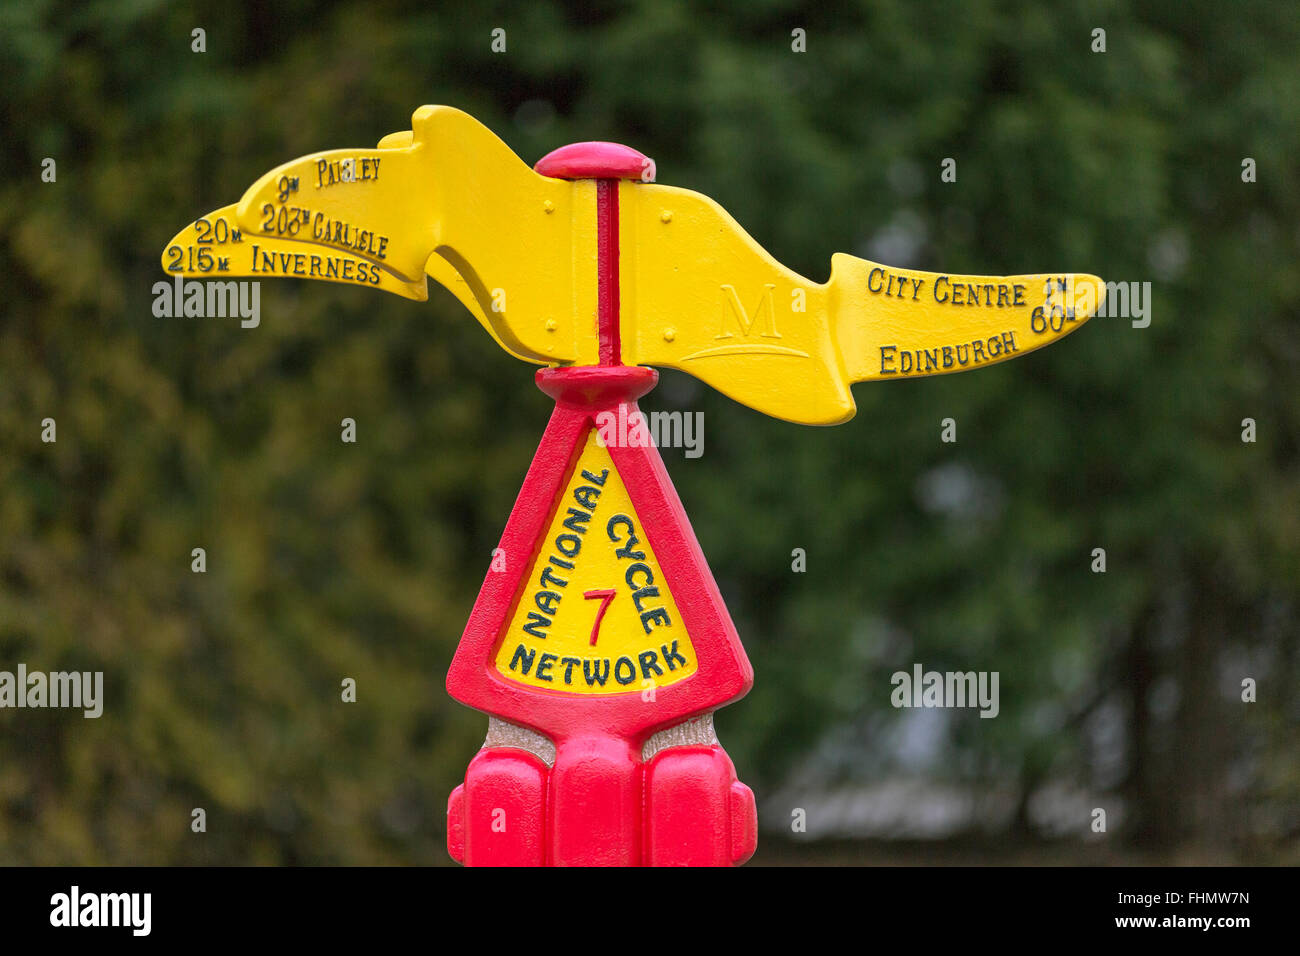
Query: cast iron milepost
point(604, 794)
point(599, 646)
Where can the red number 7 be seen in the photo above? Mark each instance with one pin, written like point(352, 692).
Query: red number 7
point(605, 597)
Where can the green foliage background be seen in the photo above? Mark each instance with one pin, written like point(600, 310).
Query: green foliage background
point(328, 560)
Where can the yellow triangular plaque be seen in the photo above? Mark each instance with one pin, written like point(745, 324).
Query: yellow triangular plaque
point(595, 614)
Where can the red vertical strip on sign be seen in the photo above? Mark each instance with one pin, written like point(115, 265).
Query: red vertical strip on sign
point(607, 304)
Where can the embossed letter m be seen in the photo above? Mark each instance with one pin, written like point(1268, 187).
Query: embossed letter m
point(764, 316)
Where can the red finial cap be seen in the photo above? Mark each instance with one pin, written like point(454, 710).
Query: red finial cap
point(597, 160)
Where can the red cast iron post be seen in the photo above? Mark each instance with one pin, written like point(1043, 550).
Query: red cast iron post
point(629, 780)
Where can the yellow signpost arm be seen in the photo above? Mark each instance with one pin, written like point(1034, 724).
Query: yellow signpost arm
point(700, 295)
point(447, 200)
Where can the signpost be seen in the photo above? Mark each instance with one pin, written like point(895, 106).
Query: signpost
point(602, 651)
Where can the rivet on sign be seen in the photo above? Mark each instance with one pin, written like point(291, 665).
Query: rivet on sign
point(670, 334)
point(666, 215)
point(550, 325)
point(548, 206)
